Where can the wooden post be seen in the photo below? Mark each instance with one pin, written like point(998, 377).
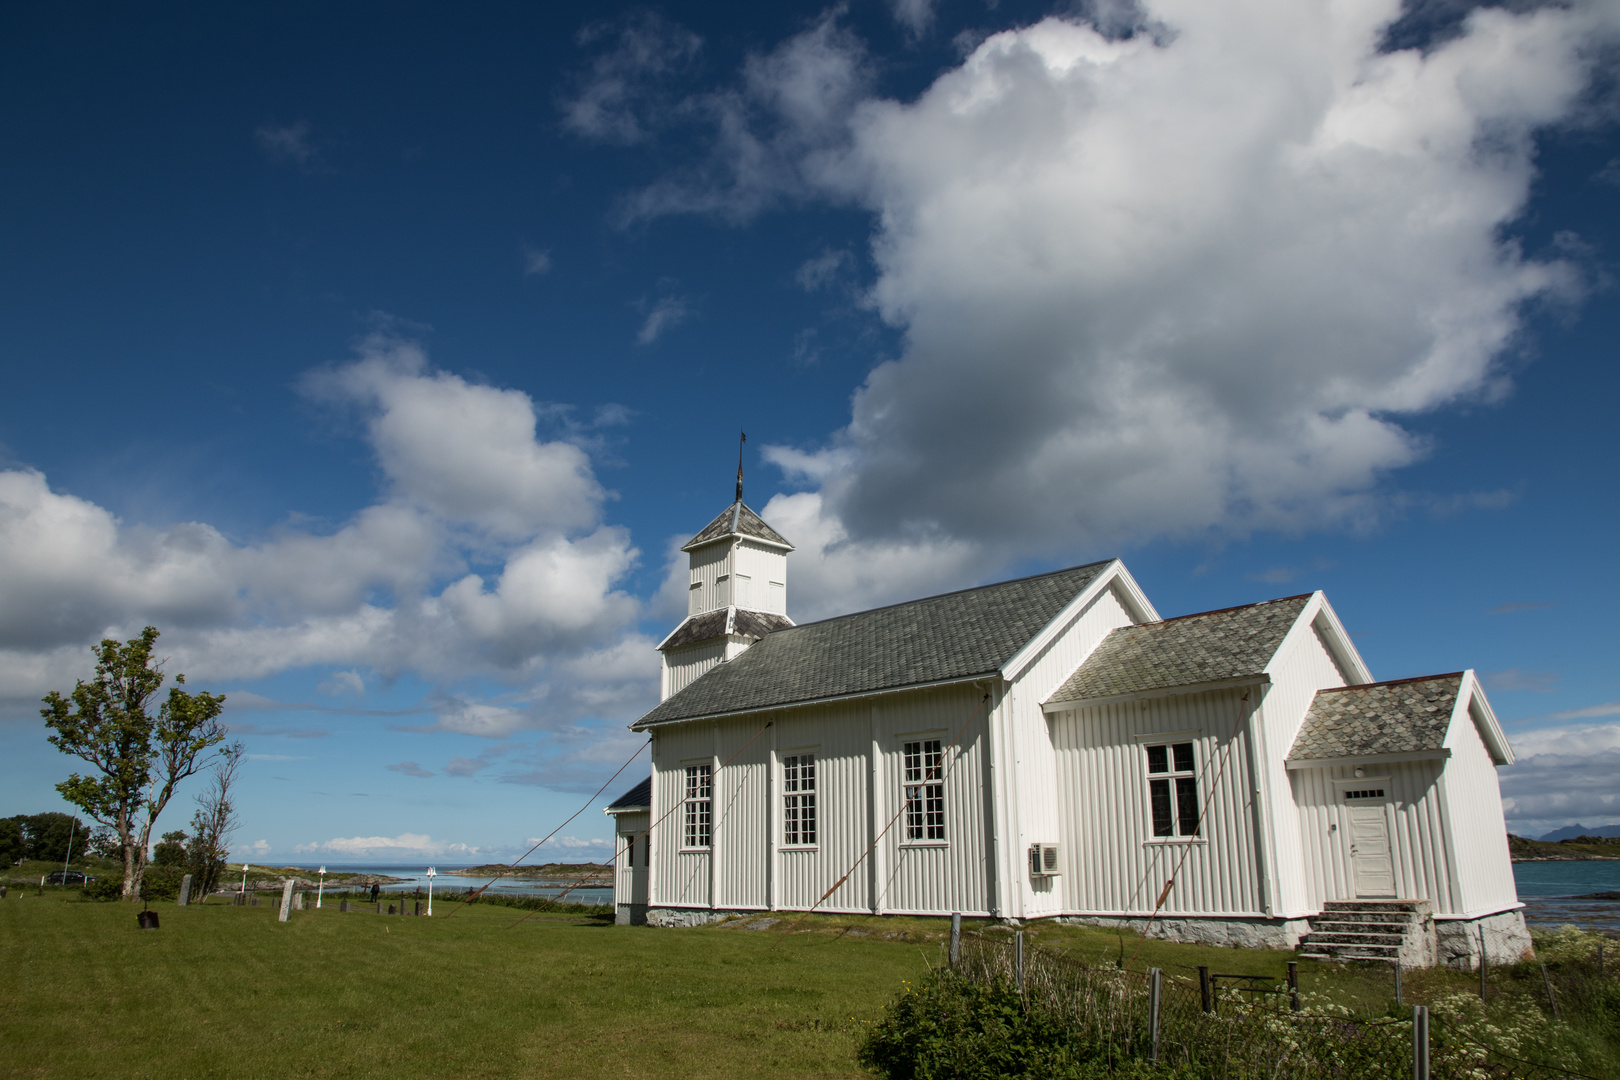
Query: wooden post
point(1420, 1042)
point(1552, 1001)
point(956, 938)
point(1155, 991)
point(1398, 982)
point(1293, 985)
point(185, 892)
point(286, 901)
point(1018, 950)
point(1204, 988)
point(1481, 962)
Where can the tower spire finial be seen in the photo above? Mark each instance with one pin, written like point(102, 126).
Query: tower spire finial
point(743, 439)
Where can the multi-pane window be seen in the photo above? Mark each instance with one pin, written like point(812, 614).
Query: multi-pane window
point(699, 806)
point(1365, 793)
point(799, 799)
point(1173, 789)
point(924, 790)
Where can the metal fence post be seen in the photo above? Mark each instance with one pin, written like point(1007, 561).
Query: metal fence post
point(1018, 947)
point(1203, 987)
point(956, 938)
point(1398, 983)
point(1293, 985)
point(1482, 962)
point(1155, 989)
point(1552, 1001)
point(1420, 1042)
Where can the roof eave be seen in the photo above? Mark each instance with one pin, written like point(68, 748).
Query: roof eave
point(693, 544)
point(1490, 731)
point(1135, 599)
point(1318, 615)
point(617, 810)
point(1295, 764)
point(642, 725)
point(1056, 706)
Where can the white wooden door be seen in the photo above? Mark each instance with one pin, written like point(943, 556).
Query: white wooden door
point(1371, 864)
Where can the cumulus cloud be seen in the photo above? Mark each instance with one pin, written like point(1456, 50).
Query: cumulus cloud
point(363, 847)
point(1195, 281)
point(622, 98)
point(1562, 775)
point(468, 480)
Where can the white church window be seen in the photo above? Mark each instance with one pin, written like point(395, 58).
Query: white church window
point(699, 806)
point(799, 799)
point(1173, 789)
point(924, 790)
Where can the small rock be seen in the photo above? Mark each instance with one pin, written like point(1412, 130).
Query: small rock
point(761, 924)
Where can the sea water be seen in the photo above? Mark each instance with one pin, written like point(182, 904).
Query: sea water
point(1551, 890)
point(447, 884)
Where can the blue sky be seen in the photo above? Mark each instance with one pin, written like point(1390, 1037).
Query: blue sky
point(381, 356)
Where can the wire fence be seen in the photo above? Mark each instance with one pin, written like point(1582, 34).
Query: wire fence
point(1237, 1027)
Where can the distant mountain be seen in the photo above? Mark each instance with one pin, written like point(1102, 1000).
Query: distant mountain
point(1570, 832)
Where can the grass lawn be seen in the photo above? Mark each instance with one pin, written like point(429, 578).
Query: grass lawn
point(227, 991)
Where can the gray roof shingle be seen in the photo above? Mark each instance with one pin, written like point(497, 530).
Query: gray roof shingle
point(736, 520)
point(640, 795)
point(713, 624)
point(960, 634)
point(1206, 647)
point(1400, 717)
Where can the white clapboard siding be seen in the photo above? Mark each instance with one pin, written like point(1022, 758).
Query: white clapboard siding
point(741, 826)
point(630, 878)
point(1116, 867)
point(679, 878)
point(840, 737)
point(1478, 830)
point(1302, 666)
point(683, 667)
point(1034, 799)
point(710, 570)
point(923, 877)
point(1417, 833)
point(762, 565)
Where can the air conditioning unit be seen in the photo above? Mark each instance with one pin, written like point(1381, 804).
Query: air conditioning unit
point(1043, 860)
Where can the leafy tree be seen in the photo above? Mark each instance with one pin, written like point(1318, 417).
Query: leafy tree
point(13, 845)
point(103, 843)
point(171, 851)
point(140, 758)
point(214, 822)
point(50, 834)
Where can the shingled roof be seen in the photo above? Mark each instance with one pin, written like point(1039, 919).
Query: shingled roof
point(1206, 647)
point(1401, 717)
point(635, 798)
point(735, 621)
point(737, 520)
point(957, 635)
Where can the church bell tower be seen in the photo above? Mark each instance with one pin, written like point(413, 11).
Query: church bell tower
point(737, 593)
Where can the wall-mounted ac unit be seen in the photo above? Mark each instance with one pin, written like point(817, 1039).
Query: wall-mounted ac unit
point(1043, 860)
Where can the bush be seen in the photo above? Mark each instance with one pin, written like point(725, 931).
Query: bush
point(950, 1028)
point(106, 887)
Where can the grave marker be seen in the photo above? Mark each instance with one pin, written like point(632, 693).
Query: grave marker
point(185, 891)
point(286, 902)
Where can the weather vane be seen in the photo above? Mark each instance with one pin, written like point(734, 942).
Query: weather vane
point(743, 439)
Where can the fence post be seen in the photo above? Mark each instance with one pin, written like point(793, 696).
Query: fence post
point(1398, 983)
point(956, 938)
point(1018, 947)
point(1155, 989)
point(1548, 984)
point(1293, 985)
point(1203, 986)
point(1482, 962)
point(1420, 1042)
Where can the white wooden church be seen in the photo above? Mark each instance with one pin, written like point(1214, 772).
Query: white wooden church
point(1051, 747)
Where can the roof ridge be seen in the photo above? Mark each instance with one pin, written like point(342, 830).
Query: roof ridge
point(943, 595)
point(1393, 682)
point(1234, 607)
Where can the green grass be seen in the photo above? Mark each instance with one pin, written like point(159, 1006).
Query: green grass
point(494, 991)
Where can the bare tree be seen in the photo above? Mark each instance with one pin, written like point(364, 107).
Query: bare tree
point(140, 758)
point(215, 821)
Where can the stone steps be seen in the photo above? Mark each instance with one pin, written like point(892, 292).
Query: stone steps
point(1362, 930)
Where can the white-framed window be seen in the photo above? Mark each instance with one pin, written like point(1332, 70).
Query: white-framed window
point(799, 800)
point(924, 790)
point(699, 806)
point(630, 850)
point(1365, 793)
point(1172, 789)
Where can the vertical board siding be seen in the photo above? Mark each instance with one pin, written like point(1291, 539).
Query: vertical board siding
point(923, 878)
point(625, 891)
point(1484, 869)
point(708, 565)
point(1030, 757)
point(839, 736)
point(1417, 833)
point(762, 565)
point(741, 816)
point(1115, 866)
point(685, 666)
point(679, 878)
point(1301, 667)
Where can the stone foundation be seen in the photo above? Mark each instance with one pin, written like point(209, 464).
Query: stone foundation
point(664, 916)
point(1507, 941)
point(1234, 933)
point(631, 915)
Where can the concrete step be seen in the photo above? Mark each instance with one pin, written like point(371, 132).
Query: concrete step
point(1334, 927)
point(1316, 937)
point(1365, 918)
point(1410, 907)
point(1353, 952)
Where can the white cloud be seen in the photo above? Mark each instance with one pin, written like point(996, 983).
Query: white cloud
point(535, 261)
point(288, 143)
point(1520, 679)
point(621, 99)
point(668, 313)
point(916, 16)
point(409, 768)
point(343, 682)
point(1182, 283)
point(819, 271)
point(1562, 775)
point(1589, 712)
point(360, 847)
